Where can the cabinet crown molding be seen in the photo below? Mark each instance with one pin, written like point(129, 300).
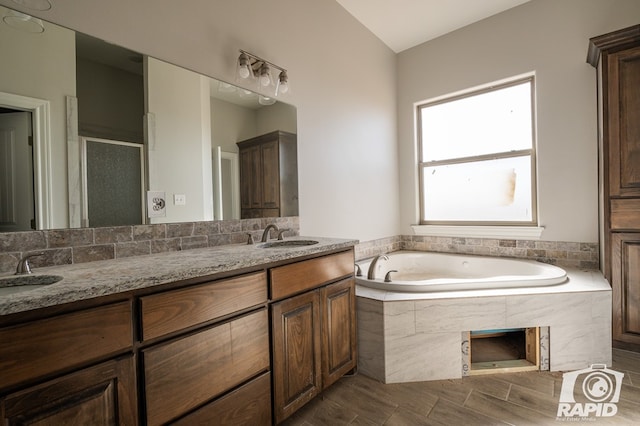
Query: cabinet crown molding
point(612, 40)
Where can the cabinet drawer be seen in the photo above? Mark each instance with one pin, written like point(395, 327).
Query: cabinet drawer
point(37, 348)
point(250, 404)
point(625, 214)
point(298, 277)
point(174, 310)
point(185, 373)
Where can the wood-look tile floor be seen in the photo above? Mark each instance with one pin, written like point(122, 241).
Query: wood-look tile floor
point(513, 398)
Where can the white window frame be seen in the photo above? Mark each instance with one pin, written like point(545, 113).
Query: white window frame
point(486, 229)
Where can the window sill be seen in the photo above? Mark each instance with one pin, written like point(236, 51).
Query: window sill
point(494, 232)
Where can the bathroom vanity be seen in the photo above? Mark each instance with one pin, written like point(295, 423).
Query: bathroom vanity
point(181, 337)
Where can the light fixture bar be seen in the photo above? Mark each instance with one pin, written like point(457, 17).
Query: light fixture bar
point(260, 71)
point(257, 58)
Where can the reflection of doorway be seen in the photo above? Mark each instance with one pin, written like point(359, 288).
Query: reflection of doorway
point(112, 182)
point(226, 185)
point(39, 111)
point(16, 172)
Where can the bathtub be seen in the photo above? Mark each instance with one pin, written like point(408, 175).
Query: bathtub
point(433, 272)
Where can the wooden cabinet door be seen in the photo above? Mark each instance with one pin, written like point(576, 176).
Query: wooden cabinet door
point(624, 122)
point(625, 281)
point(296, 353)
point(338, 330)
point(250, 178)
point(101, 395)
point(270, 175)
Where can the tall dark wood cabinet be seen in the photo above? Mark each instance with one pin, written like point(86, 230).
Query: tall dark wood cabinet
point(269, 175)
point(616, 56)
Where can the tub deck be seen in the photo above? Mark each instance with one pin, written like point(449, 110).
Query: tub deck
point(408, 337)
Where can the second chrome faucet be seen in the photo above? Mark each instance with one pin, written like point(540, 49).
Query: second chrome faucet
point(267, 230)
point(371, 274)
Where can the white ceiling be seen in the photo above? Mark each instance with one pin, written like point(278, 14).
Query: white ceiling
point(402, 24)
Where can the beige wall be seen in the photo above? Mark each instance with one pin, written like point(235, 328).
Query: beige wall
point(51, 58)
point(279, 116)
point(343, 81)
point(549, 37)
point(231, 123)
point(356, 160)
point(182, 141)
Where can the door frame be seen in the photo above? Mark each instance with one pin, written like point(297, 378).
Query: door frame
point(234, 185)
point(84, 209)
point(41, 123)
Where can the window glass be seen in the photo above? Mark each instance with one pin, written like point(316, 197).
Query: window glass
point(492, 190)
point(477, 157)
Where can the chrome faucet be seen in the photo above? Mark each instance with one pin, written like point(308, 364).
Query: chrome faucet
point(282, 231)
point(23, 264)
point(371, 274)
point(265, 234)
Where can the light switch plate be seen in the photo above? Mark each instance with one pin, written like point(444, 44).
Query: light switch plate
point(156, 204)
point(179, 199)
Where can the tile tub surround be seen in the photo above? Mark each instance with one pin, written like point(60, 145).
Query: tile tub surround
point(80, 245)
point(565, 254)
point(100, 278)
point(407, 337)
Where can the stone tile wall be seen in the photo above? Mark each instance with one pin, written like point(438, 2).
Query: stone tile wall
point(396, 339)
point(570, 254)
point(67, 246)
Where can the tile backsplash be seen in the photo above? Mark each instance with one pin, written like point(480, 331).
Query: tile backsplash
point(570, 254)
point(66, 246)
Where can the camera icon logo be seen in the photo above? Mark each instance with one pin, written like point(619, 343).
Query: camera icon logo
point(590, 391)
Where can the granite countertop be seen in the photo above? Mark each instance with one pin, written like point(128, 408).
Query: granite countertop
point(93, 279)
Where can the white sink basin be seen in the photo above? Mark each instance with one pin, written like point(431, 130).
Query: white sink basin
point(288, 243)
point(20, 283)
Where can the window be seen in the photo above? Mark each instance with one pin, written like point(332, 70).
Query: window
point(477, 157)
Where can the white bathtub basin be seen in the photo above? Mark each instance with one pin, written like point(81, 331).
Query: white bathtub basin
point(429, 272)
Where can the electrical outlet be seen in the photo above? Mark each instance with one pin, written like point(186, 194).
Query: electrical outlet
point(156, 205)
point(179, 199)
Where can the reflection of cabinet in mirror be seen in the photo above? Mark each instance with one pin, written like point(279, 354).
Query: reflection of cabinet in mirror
point(269, 175)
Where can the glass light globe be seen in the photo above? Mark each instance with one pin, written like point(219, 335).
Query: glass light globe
point(243, 71)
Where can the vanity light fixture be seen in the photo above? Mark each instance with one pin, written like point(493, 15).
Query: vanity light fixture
point(254, 69)
point(283, 83)
point(266, 100)
point(34, 4)
point(23, 22)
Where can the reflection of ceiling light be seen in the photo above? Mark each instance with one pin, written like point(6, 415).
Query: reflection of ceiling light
point(23, 22)
point(226, 87)
point(244, 93)
point(244, 66)
point(265, 100)
point(34, 4)
point(250, 67)
point(283, 83)
point(265, 75)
